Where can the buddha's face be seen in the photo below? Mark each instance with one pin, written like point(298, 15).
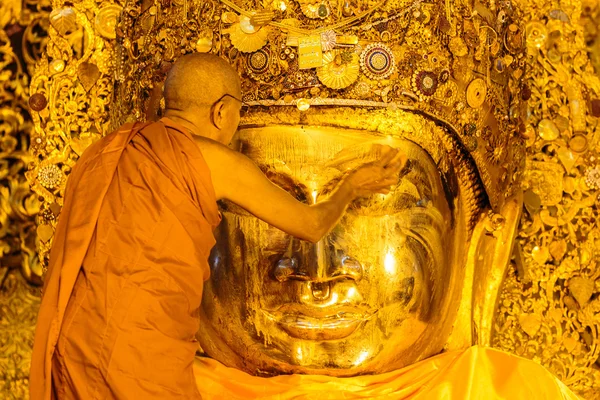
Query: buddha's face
point(379, 292)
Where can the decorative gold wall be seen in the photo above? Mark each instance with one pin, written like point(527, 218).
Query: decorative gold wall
point(549, 302)
point(23, 37)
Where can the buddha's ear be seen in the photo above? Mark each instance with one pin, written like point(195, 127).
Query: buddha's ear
point(495, 250)
point(489, 255)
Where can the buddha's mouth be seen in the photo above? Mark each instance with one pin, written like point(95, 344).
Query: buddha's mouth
point(329, 323)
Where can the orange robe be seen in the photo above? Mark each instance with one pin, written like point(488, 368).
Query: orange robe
point(473, 374)
point(122, 294)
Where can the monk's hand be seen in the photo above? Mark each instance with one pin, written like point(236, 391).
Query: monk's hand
point(378, 176)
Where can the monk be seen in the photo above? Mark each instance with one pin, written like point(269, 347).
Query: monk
point(121, 297)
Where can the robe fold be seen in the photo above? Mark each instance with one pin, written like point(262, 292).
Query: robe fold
point(473, 374)
point(122, 293)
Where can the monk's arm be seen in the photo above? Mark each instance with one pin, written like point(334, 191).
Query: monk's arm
point(237, 179)
point(251, 190)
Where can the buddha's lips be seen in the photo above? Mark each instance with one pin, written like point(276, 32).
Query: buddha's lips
point(327, 323)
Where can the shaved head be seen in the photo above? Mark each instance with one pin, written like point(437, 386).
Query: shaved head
point(199, 79)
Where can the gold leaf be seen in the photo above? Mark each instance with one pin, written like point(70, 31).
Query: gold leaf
point(558, 249)
point(540, 254)
point(530, 323)
point(458, 47)
point(45, 232)
point(581, 288)
point(88, 74)
point(63, 20)
point(532, 202)
point(567, 158)
point(570, 344)
point(106, 20)
point(55, 208)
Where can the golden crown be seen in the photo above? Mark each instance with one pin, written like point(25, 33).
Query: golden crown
point(456, 64)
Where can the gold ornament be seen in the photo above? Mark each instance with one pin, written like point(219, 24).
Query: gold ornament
point(578, 143)
point(45, 232)
point(229, 17)
point(340, 69)
point(536, 34)
point(50, 176)
point(476, 92)
point(582, 289)
point(106, 20)
point(246, 37)
point(328, 40)
point(302, 104)
point(377, 61)
point(248, 26)
point(566, 337)
point(315, 9)
point(548, 130)
point(530, 323)
point(56, 66)
point(63, 20)
point(88, 74)
point(205, 43)
point(310, 52)
point(261, 18)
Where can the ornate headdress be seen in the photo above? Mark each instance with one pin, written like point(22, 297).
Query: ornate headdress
point(456, 64)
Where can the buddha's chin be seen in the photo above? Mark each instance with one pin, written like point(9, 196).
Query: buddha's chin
point(352, 347)
point(338, 367)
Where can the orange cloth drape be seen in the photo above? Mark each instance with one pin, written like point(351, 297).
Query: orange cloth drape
point(474, 374)
point(121, 297)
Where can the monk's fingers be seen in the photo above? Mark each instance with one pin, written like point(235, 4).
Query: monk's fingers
point(385, 189)
point(398, 162)
point(386, 157)
point(389, 181)
point(384, 182)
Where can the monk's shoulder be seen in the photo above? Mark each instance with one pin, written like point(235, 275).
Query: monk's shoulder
point(218, 155)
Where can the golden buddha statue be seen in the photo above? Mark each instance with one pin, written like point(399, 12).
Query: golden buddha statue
point(364, 312)
point(383, 289)
point(404, 275)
